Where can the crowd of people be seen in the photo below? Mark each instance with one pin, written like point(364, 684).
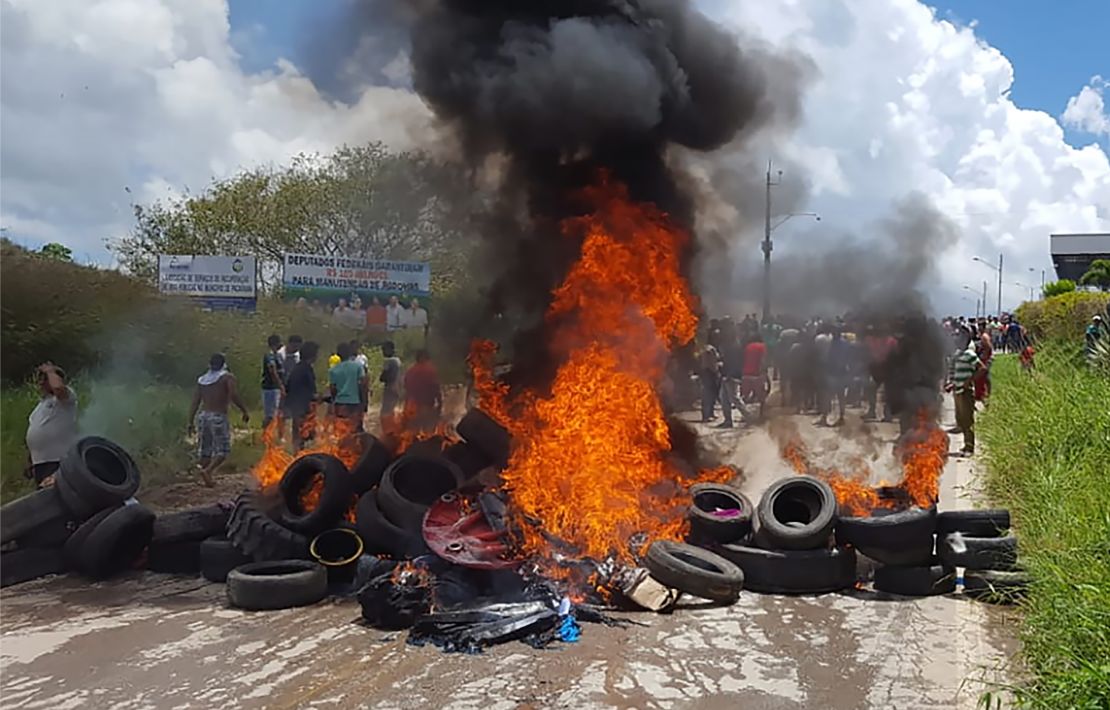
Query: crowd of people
point(291, 398)
point(822, 366)
point(827, 366)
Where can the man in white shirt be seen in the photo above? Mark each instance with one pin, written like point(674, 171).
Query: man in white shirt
point(52, 426)
point(290, 353)
point(394, 314)
point(416, 317)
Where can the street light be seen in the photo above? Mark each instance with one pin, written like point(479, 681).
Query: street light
point(1033, 271)
point(978, 303)
point(768, 228)
point(999, 270)
point(1031, 288)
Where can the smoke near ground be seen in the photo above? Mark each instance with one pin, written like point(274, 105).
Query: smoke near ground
point(886, 269)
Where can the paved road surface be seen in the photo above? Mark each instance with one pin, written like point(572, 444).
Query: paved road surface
point(153, 641)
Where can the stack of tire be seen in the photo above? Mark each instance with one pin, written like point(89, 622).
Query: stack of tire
point(980, 543)
point(390, 511)
point(81, 523)
point(296, 552)
point(790, 549)
point(903, 544)
point(718, 514)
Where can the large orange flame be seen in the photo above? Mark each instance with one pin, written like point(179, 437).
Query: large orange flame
point(853, 492)
point(923, 454)
point(923, 457)
point(331, 436)
point(590, 463)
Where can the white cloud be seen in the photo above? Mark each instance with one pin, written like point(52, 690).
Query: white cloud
point(1086, 110)
point(150, 94)
point(904, 102)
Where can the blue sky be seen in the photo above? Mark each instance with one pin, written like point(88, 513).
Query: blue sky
point(1055, 47)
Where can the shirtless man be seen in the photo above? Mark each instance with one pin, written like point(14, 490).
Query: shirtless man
point(215, 390)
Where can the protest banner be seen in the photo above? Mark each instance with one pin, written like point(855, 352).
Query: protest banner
point(217, 282)
point(360, 292)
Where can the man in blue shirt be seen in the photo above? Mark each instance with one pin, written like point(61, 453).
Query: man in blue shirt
point(273, 380)
point(348, 386)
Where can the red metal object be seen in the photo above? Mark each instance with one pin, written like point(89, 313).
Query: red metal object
point(456, 529)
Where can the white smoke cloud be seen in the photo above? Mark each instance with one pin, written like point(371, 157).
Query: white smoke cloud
point(149, 95)
point(1086, 110)
point(908, 102)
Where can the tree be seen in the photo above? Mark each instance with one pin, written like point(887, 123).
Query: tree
point(1055, 288)
point(1097, 275)
point(56, 251)
point(362, 201)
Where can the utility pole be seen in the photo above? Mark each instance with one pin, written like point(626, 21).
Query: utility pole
point(1000, 284)
point(767, 229)
point(984, 297)
point(767, 250)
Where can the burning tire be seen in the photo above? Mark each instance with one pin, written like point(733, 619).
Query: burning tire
point(217, 557)
point(481, 431)
point(977, 523)
point(719, 514)
point(372, 463)
point(794, 571)
point(470, 459)
point(978, 553)
point(32, 511)
point(280, 584)
point(115, 543)
point(694, 570)
point(99, 472)
point(335, 494)
point(903, 539)
point(198, 523)
point(381, 536)
point(260, 537)
point(411, 484)
point(996, 586)
point(29, 563)
point(797, 513)
point(918, 581)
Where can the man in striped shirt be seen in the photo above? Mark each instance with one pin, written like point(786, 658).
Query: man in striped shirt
point(960, 375)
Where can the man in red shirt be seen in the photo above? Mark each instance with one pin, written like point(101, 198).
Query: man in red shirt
point(423, 397)
point(754, 383)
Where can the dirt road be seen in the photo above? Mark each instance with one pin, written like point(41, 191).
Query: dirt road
point(153, 641)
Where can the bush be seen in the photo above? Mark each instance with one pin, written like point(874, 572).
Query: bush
point(1046, 437)
point(1062, 317)
point(1055, 288)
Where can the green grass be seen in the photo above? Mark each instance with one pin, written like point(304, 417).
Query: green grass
point(147, 419)
point(1046, 439)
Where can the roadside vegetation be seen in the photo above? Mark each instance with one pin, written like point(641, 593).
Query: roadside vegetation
point(132, 356)
point(1046, 438)
point(1064, 316)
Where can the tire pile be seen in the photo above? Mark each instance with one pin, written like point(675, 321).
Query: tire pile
point(271, 551)
point(81, 523)
point(274, 552)
point(795, 542)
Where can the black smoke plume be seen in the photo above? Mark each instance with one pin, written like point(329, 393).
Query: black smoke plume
point(553, 91)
